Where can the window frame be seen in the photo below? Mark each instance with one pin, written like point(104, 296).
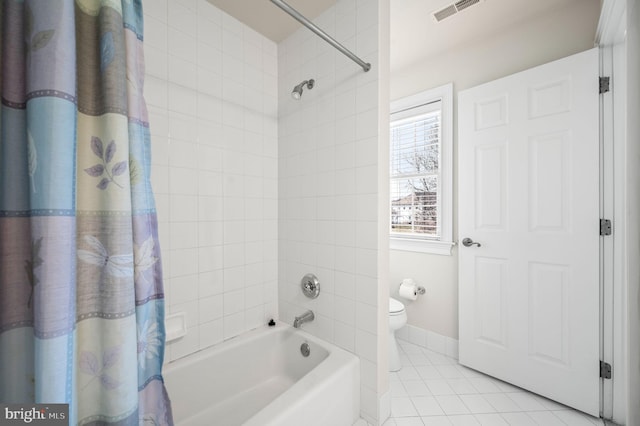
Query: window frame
point(444, 244)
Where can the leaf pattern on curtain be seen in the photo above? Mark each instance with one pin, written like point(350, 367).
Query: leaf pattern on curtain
point(92, 367)
point(81, 291)
point(110, 171)
point(31, 266)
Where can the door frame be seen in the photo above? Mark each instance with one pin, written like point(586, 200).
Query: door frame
point(610, 39)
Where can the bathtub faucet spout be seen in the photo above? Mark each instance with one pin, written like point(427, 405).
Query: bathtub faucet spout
point(306, 317)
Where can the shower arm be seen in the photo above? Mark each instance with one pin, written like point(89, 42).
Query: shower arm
point(326, 37)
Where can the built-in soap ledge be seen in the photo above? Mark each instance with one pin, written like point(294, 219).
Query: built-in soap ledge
point(175, 326)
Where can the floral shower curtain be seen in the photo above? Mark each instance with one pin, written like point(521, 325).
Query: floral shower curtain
point(81, 296)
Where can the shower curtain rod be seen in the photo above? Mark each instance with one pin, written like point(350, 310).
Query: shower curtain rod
point(304, 21)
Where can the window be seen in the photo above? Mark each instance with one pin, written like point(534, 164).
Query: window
point(421, 172)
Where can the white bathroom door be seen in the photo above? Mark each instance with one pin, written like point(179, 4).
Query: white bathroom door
point(529, 196)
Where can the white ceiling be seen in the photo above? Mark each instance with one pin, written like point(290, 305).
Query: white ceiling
point(414, 32)
point(267, 19)
point(416, 35)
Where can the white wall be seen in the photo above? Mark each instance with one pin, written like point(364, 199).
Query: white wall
point(569, 29)
point(211, 90)
point(328, 189)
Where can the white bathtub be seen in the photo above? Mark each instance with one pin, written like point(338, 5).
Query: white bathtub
point(261, 378)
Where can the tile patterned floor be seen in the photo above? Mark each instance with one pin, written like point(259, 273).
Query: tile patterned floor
point(433, 389)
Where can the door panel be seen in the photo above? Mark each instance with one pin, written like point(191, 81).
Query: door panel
point(549, 183)
point(549, 313)
point(491, 315)
point(491, 185)
point(529, 194)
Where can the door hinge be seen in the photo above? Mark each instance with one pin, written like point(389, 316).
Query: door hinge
point(605, 227)
point(604, 84)
point(605, 370)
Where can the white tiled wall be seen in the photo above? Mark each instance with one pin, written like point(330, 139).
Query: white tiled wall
point(211, 90)
point(328, 168)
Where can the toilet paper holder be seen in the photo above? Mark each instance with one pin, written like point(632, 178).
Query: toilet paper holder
point(417, 289)
point(410, 290)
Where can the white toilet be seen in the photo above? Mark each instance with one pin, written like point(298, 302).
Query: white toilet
point(397, 319)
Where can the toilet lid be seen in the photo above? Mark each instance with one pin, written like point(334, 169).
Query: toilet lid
point(395, 306)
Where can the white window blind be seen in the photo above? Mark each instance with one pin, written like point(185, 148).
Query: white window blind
point(415, 171)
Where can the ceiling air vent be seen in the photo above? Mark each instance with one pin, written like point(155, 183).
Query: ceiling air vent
point(445, 13)
point(463, 4)
point(453, 8)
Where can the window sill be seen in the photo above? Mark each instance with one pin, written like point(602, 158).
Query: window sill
point(442, 248)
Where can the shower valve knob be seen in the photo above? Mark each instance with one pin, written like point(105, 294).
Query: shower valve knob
point(310, 286)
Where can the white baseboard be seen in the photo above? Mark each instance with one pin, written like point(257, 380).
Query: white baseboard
point(444, 345)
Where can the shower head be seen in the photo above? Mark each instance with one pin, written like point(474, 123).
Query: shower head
point(297, 91)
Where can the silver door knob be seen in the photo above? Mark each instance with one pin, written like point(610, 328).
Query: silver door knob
point(468, 242)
